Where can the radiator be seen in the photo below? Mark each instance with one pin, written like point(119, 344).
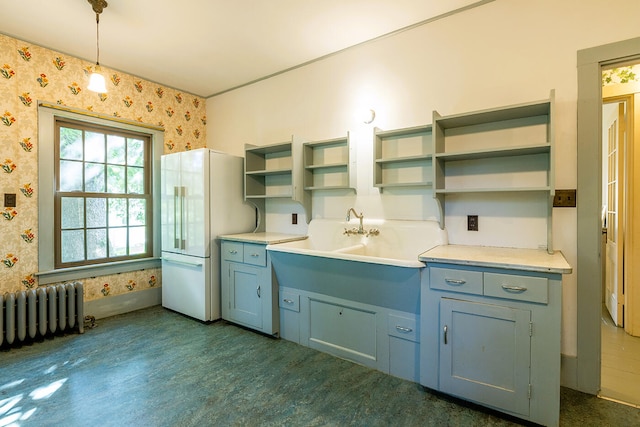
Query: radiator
point(36, 313)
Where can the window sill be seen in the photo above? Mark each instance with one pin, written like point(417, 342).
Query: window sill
point(76, 273)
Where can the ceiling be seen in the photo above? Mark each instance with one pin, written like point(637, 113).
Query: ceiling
point(206, 47)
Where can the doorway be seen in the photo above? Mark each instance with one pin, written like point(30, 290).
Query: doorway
point(584, 371)
point(620, 366)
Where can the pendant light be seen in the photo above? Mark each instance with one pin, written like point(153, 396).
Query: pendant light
point(96, 79)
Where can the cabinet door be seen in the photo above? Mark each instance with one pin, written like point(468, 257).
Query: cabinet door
point(485, 353)
point(245, 304)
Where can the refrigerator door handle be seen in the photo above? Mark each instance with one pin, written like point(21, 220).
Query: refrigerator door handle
point(183, 241)
point(190, 264)
point(177, 220)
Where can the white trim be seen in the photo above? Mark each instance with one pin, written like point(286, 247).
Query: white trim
point(46, 189)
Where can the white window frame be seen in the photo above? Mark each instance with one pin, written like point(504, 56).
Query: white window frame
point(46, 190)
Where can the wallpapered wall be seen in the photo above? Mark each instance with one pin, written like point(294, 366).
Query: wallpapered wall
point(29, 74)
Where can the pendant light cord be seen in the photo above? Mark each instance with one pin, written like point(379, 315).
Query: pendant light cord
point(98, 39)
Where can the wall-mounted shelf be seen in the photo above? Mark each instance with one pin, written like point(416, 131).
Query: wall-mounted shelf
point(508, 149)
point(403, 157)
point(274, 172)
point(327, 165)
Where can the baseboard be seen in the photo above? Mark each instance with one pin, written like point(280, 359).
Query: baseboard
point(569, 372)
point(124, 303)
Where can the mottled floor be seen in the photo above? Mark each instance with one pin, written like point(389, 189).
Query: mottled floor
point(157, 368)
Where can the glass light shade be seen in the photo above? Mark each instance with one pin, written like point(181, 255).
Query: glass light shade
point(97, 83)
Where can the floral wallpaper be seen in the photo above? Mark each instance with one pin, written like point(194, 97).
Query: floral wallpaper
point(621, 75)
point(30, 73)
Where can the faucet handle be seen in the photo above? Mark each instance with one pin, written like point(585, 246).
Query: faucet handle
point(373, 232)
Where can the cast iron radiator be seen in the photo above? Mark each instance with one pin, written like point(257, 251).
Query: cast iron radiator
point(36, 313)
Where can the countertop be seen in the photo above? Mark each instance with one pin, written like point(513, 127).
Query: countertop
point(264, 238)
point(510, 258)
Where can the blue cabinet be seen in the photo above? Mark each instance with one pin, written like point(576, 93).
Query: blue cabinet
point(249, 296)
point(490, 329)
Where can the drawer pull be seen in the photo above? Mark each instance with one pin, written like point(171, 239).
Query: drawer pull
point(515, 289)
point(455, 282)
point(404, 329)
point(233, 251)
point(255, 255)
point(287, 301)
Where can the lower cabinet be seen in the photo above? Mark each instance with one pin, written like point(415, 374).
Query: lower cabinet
point(492, 336)
point(485, 353)
point(249, 295)
point(378, 337)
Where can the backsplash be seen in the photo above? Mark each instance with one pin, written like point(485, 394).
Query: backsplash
point(30, 73)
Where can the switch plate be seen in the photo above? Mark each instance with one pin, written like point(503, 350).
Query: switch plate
point(472, 222)
point(564, 199)
point(294, 218)
point(9, 200)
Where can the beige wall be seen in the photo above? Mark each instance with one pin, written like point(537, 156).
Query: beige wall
point(502, 53)
point(29, 74)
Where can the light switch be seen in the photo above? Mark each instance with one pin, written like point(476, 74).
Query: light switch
point(9, 200)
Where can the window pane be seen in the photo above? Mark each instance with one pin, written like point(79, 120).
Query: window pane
point(96, 212)
point(117, 212)
point(135, 152)
point(117, 241)
point(70, 144)
point(137, 240)
point(72, 212)
point(135, 180)
point(94, 177)
point(97, 243)
point(93, 147)
point(72, 245)
point(137, 212)
point(115, 179)
point(70, 176)
point(115, 150)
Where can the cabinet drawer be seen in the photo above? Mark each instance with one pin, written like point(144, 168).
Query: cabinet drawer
point(255, 254)
point(403, 327)
point(290, 301)
point(232, 251)
point(455, 280)
point(511, 286)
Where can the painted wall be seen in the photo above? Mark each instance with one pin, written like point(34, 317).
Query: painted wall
point(502, 53)
point(28, 74)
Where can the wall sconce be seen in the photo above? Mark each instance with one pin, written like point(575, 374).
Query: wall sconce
point(96, 79)
point(367, 115)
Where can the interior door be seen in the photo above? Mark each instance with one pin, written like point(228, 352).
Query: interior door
point(614, 267)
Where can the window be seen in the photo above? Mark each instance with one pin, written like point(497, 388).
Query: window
point(98, 204)
point(102, 195)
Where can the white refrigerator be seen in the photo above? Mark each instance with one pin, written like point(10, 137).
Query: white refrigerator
point(202, 198)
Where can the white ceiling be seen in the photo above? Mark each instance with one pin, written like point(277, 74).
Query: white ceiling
point(205, 47)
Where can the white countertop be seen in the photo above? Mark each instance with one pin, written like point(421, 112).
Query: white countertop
point(509, 258)
point(264, 238)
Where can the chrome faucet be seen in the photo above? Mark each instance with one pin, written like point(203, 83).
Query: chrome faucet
point(360, 217)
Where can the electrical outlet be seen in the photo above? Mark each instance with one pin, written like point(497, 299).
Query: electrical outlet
point(564, 199)
point(294, 218)
point(9, 200)
point(472, 222)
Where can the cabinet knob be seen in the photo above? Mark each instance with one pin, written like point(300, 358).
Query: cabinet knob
point(233, 251)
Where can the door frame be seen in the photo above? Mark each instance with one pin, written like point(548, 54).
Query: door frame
point(589, 268)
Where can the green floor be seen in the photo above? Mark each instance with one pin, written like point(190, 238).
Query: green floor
point(157, 368)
